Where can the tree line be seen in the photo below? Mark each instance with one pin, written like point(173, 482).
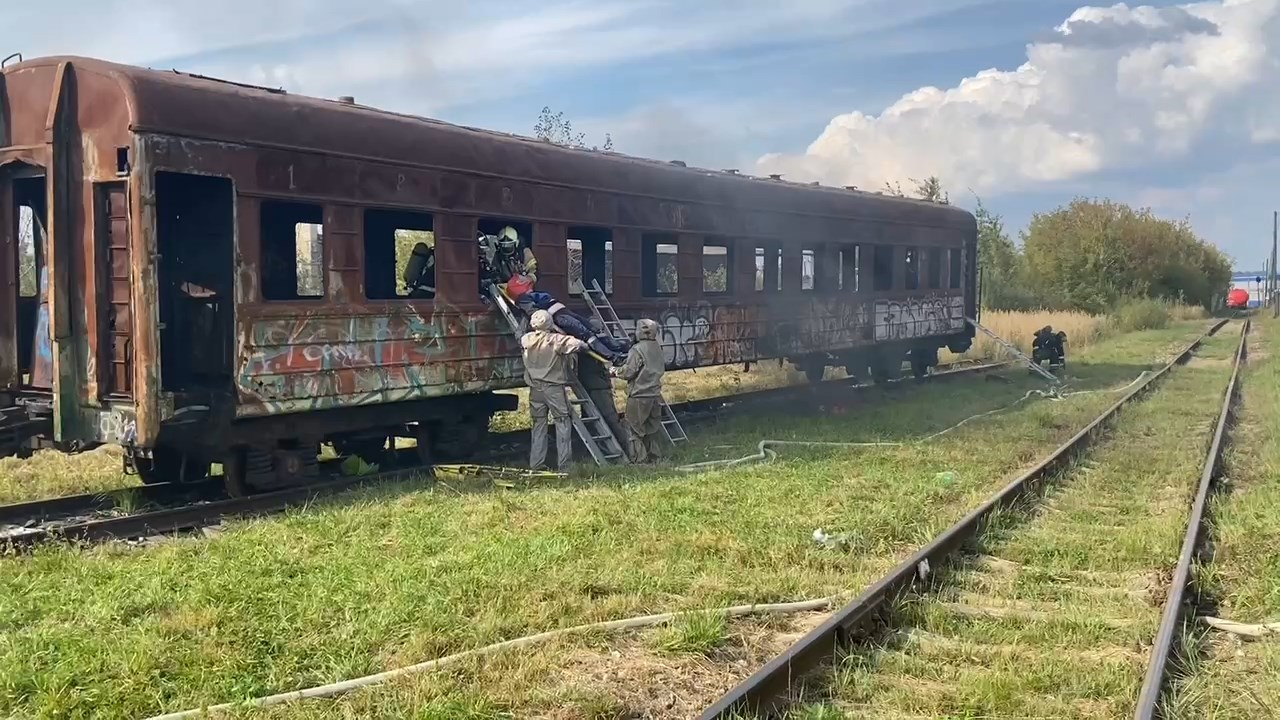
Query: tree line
point(1088, 255)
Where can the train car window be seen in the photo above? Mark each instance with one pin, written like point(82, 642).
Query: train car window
point(933, 268)
point(808, 269)
point(717, 267)
point(659, 269)
point(590, 258)
point(27, 281)
point(768, 269)
point(292, 244)
point(911, 265)
point(399, 255)
point(850, 265)
point(955, 273)
point(881, 267)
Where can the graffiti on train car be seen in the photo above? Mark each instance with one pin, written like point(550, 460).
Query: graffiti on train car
point(324, 361)
point(821, 323)
point(117, 425)
point(918, 317)
point(705, 334)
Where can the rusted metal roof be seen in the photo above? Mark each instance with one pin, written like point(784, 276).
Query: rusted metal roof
point(187, 105)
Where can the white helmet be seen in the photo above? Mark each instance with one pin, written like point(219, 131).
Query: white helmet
point(508, 240)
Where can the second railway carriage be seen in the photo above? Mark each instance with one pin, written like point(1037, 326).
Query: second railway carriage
point(201, 271)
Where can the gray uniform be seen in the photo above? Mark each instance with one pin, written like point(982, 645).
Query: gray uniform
point(643, 372)
point(548, 360)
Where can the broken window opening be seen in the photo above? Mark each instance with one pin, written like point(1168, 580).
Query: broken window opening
point(399, 255)
point(768, 269)
point(850, 267)
point(717, 274)
point(27, 272)
point(807, 269)
point(33, 337)
point(590, 259)
point(499, 258)
point(292, 246)
point(882, 268)
point(659, 268)
point(956, 272)
point(911, 268)
point(933, 268)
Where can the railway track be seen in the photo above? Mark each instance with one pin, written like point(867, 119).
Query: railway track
point(916, 620)
point(149, 510)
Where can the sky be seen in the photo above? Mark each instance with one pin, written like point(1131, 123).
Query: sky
point(1023, 103)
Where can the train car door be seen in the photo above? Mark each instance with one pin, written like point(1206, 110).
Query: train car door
point(27, 356)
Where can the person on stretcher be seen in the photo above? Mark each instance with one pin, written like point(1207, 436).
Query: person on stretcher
point(520, 290)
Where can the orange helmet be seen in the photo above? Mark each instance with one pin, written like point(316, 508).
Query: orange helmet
point(519, 285)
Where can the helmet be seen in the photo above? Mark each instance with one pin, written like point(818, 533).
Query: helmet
point(518, 285)
point(541, 320)
point(508, 240)
point(646, 329)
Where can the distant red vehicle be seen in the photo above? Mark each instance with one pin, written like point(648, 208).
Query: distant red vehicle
point(1238, 299)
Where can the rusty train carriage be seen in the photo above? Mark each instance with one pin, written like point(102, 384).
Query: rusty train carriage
point(219, 262)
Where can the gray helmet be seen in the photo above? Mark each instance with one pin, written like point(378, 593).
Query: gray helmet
point(646, 329)
point(541, 320)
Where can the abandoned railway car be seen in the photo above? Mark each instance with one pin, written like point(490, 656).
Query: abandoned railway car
point(204, 272)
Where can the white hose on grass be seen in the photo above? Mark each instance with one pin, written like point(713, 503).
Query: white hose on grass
point(765, 452)
point(1243, 629)
point(338, 688)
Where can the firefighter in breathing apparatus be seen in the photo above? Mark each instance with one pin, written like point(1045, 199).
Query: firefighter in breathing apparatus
point(420, 272)
point(504, 256)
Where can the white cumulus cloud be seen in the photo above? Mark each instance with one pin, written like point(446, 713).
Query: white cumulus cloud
point(1110, 88)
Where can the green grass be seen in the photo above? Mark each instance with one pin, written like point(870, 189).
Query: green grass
point(1054, 614)
point(52, 474)
point(694, 634)
point(392, 576)
point(1235, 678)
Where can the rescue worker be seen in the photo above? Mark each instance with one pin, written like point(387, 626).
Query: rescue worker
point(520, 290)
point(548, 360)
point(643, 372)
point(598, 383)
point(420, 272)
point(505, 255)
point(1048, 345)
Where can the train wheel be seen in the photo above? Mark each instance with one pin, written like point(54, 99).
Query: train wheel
point(884, 370)
point(423, 436)
point(235, 474)
point(169, 464)
point(255, 470)
point(814, 370)
point(458, 440)
point(372, 450)
point(922, 359)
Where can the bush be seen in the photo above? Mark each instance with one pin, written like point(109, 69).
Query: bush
point(1146, 314)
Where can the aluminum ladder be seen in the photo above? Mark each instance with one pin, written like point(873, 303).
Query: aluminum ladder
point(589, 424)
point(1053, 379)
point(603, 311)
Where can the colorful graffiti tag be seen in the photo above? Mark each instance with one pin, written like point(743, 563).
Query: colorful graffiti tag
point(323, 361)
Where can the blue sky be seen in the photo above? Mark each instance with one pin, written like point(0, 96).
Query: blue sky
point(1027, 102)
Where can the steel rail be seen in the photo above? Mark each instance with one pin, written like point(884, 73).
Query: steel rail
point(193, 515)
point(1158, 667)
point(769, 685)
